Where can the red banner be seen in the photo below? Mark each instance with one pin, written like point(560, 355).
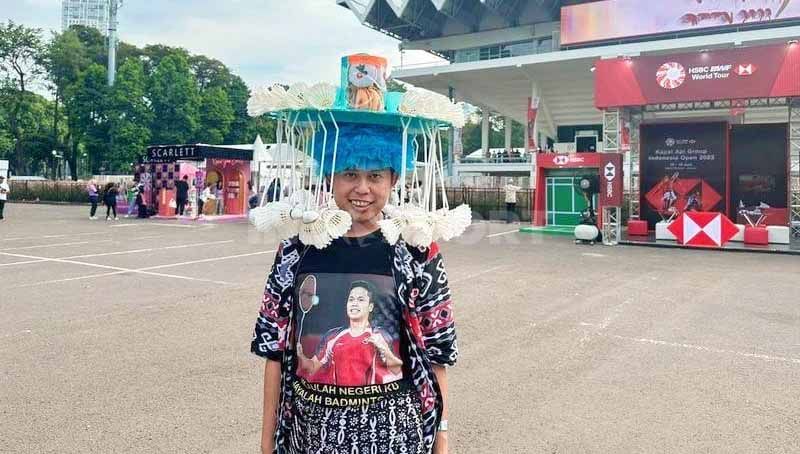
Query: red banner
point(754, 72)
point(615, 19)
point(533, 109)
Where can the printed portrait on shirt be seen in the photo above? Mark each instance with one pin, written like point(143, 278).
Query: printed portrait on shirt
point(348, 326)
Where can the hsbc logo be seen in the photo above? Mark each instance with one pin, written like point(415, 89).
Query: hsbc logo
point(745, 70)
point(610, 171)
point(561, 160)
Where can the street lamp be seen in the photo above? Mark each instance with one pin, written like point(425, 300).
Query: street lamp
point(61, 167)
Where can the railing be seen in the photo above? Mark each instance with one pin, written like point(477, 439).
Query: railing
point(490, 203)
point(48, 191)
point(498, 160)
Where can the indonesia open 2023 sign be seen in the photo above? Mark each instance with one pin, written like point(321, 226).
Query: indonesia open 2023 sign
point(616, 19)
point(683, 169)
point(742, 73)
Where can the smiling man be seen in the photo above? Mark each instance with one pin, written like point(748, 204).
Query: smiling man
point(362, 368)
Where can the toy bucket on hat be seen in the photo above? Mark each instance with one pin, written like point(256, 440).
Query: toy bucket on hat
point(323, 130)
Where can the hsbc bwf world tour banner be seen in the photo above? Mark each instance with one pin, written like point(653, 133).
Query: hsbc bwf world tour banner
point(616, 19)
point(731, 74)
point(683, 169)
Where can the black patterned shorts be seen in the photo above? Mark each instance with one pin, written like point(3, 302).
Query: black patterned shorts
point(390, 425)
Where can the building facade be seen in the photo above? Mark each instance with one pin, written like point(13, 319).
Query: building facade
point(603, 75)
point(89, 13)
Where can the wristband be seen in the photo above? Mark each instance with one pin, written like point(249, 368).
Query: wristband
point(443, 425)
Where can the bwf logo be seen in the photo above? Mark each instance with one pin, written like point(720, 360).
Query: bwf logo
point(670, 142)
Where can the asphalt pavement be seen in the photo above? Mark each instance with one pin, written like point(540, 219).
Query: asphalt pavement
point(133, 337)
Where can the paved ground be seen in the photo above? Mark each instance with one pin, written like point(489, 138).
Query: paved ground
point(132, 337)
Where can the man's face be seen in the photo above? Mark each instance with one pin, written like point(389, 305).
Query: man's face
point(362, 193)
point(358, 304)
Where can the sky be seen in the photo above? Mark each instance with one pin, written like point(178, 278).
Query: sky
point(263, 41)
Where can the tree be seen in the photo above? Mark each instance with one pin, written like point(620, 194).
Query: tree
point(216, 116)
point(471, 134)
point(153, 54)
point(65, 58)
point(238, 94)
point(94, 42)
point(209, 72)
point(263, 126)
point(175, 100)
point(86, 100)
point(129, 116)
point(20, 52)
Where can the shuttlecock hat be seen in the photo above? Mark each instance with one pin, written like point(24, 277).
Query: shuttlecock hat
point(359, 125)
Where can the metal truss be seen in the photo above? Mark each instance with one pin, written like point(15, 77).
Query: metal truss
point(715, 105)
point(632, 172)
point(612, 225)
point(794, 168)
point(611, 130)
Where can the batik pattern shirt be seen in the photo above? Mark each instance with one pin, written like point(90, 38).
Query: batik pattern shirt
point(422, 288)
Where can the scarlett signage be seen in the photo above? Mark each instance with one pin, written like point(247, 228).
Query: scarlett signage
point(616, 19)
point(755, 72)
point(172, 153)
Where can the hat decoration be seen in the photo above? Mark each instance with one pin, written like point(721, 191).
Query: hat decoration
point(323, 129)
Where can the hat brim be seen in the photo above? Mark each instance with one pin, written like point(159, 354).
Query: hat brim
point(415, 125)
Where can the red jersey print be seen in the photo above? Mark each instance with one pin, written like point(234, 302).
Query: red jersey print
point(364, 346)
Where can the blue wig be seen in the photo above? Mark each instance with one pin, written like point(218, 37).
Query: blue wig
point(363, 147)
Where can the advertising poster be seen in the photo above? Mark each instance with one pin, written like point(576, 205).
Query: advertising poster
point(728, 74)
point(683, 168)
point(758, 173)
point(615, 19)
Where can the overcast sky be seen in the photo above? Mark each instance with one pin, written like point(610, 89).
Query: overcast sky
point(264, 41)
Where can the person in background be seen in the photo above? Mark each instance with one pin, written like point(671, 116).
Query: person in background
point(220, 196)
point(110, 200)
point(4, 191)
point(511, 200)
point(181, 195)
point(140, 205)
point(130, 194)
point(274, 190)
point(91, 189)
point(252, 196)
point(204, 197)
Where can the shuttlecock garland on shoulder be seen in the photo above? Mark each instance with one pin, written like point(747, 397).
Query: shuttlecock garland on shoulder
point(323, 130)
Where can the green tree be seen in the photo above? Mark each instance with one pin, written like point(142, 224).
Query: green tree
point(175, 100)
point(86, 100)
point(238, 94)
point(209, 72)
point(154, 53)
point(20, 54)
point(65, 58)
point(129, 116)
point(94, 43)
point(216, 116)
point(471, 134)
point(263, 126)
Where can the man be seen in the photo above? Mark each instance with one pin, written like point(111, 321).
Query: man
point(511, 200)
point(182, 195)
point(4, 190)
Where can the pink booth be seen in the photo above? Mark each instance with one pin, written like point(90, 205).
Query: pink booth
point(226, 169)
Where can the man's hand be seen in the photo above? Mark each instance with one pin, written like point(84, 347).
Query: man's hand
point(440, 445)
